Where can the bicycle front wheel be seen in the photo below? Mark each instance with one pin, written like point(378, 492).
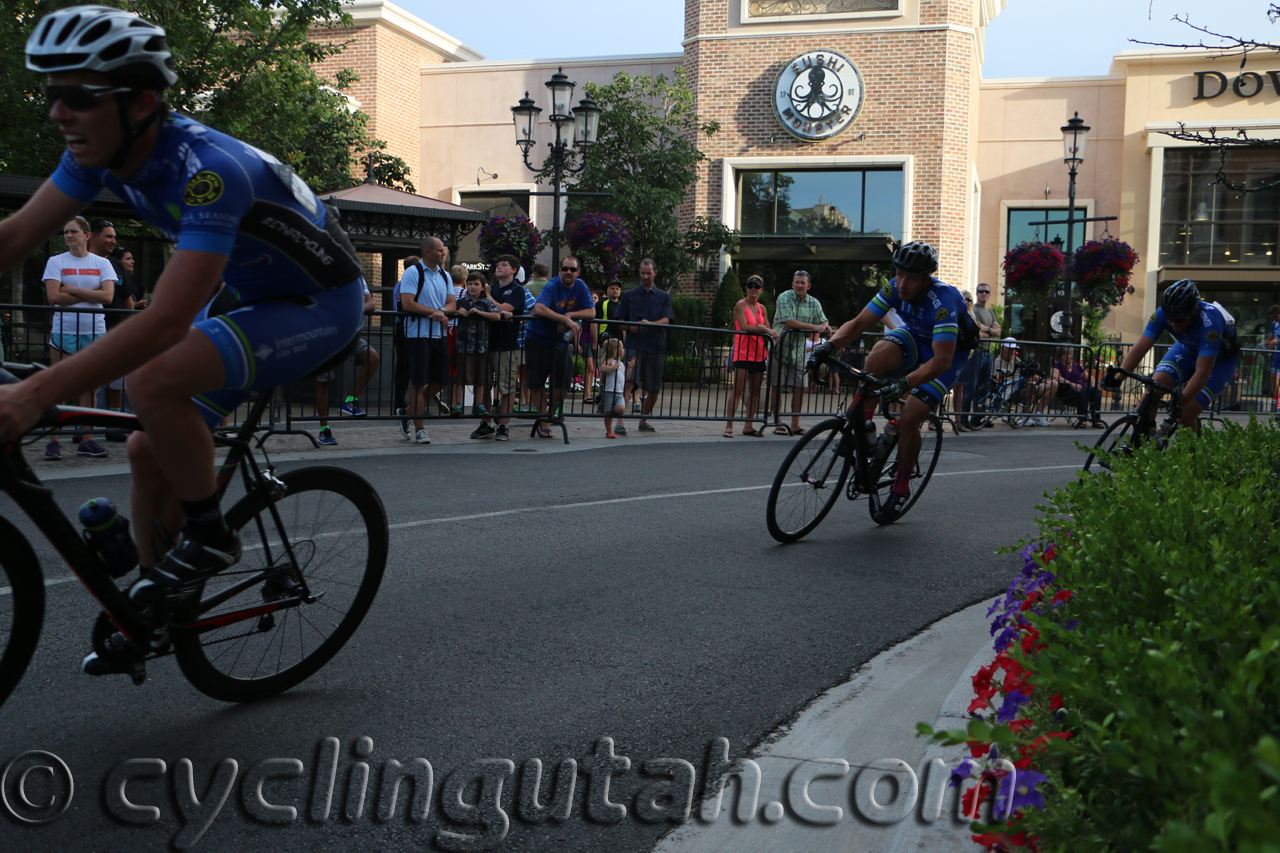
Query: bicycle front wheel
point(312, 564)
point(982, 409)
point(930, 450)
point(21, 606)
point(1120, 437)
point(809, 481)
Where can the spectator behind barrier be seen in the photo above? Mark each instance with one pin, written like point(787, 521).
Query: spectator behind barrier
point(650, 306)
point(1074, 387)
point(749, 355)
point(796, 310)
point(476, 313)
point(505, 362)
point(368, 359)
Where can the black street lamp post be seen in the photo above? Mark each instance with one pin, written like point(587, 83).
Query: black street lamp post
point(1074, 135)
point(586, 124)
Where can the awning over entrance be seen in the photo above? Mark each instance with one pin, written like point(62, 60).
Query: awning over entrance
point(380, 218)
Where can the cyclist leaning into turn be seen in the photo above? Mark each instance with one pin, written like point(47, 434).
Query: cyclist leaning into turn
point(293, 295)
point(933, 343)
point(1204, 355)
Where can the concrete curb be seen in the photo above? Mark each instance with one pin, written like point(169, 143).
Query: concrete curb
point(872, 717)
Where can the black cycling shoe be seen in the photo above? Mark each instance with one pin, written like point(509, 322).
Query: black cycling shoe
point(181, 572)
point(117, 656)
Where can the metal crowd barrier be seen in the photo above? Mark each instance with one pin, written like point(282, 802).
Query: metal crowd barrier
point(698, 376)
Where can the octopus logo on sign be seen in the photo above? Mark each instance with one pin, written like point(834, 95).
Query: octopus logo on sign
point(817, 94)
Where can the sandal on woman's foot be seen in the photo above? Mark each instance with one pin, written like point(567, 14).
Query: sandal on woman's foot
point(752, 432)
point(781, 429)
point(727, 434)
point(1099, 424)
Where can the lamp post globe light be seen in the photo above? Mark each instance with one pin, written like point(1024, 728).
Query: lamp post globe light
point(1074, 135)
point(586, 125)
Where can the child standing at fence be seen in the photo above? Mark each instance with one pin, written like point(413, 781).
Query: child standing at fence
point(613, 382)
point(475, 312)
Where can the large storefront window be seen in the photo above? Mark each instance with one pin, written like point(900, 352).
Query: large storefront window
point(785, 8)
point(1027, 225)
point(1205, 224)
point(836, 203)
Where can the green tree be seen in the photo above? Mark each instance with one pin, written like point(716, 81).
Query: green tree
point(727, 298)
point(245, 67)
point(647, 157)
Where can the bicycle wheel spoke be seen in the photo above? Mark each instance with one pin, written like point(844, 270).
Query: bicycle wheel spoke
point(809, 482)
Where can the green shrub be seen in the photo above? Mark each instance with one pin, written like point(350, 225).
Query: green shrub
point(689, 310)
point(1170, 681)
point(679, 368)
point(727, 298)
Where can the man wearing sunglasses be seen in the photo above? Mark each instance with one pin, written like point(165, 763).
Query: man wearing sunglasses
point(563, 301)
point(293, 294)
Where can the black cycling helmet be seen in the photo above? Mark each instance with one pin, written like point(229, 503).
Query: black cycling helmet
point(919, 258)
point(1180, 300)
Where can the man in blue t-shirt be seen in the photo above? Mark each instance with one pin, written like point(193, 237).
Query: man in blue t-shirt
point(293, 296)
point(933, 343)
point(1204, 355)
point(549, 355)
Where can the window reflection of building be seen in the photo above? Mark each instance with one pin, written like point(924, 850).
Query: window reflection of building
point(784, 8)
point(1207, 224)
point(849, 201)
point(1026, 225)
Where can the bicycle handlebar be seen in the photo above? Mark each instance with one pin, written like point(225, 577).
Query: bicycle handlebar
point(1116, 370)
point(850, 370)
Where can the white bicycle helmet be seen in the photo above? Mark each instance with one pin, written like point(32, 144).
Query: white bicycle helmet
point(128, 50)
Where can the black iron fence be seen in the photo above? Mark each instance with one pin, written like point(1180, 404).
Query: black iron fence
point(680, 373)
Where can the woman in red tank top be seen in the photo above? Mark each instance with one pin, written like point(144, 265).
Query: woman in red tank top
point(749, 353)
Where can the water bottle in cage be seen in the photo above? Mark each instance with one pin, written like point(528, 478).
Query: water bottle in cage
point(108, 535)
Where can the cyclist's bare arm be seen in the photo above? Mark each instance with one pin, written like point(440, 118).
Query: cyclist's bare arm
point(853, 329)
point(1135, 354)
point(43, 215)
point(187, 283)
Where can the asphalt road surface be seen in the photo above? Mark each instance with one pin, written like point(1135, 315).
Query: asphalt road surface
point(534, 603)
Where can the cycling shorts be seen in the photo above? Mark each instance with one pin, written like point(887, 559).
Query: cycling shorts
point(274, 342)
point(916, 353)
point(1275, 364)
point(1181, 363)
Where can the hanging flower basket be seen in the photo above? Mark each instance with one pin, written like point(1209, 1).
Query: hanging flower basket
point(510, 235)
point(1102, 269)
point(1032, 270)
point(600, 241)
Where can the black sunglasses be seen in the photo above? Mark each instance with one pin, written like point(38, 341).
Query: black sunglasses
point(984, 291)
point(80, 98)
point(755, 284)
point(568, 269)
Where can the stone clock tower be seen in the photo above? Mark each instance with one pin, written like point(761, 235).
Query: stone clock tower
point(876, 97)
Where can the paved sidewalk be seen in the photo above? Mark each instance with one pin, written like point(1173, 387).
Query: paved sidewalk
point(868, 719)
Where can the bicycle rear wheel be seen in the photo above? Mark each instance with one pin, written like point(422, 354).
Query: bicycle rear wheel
point(255, 638)
point(1120, 437)
point(930, 450)
point(809, 481)
point(982, 409)
point(21, 606)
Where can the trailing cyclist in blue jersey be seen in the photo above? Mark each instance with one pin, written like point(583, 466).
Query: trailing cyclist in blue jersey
point(1204, 354)
point(262, 287)
point(932, 344)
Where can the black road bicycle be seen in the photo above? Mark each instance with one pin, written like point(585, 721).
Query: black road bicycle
point(315, 546)
point(817, 468)
point(1128, 433)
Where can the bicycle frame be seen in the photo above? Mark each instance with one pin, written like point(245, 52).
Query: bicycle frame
point(35, 499)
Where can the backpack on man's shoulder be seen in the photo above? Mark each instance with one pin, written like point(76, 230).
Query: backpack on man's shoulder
point(401, 314)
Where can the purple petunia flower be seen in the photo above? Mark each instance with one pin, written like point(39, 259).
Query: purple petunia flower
point(1009, 709)
point(961, 772)
point(1023, 784)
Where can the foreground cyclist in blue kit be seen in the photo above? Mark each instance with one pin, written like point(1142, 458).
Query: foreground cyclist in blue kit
point(933, 344)
point(1204, 356)
point(293, 286)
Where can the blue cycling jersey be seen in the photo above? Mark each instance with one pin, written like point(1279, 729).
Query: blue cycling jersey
point(213, 193)
point(933, 317)
point(1203, 336)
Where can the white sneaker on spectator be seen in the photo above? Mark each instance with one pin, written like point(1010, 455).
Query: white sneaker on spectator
point(1038, 419)
point(421, 437)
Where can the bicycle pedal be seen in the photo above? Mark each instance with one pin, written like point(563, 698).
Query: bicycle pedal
point(116, 655)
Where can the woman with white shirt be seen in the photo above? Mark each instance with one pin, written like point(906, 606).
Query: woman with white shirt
point(77, 279)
